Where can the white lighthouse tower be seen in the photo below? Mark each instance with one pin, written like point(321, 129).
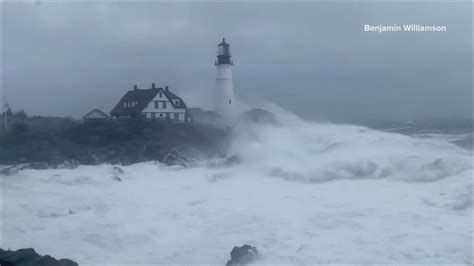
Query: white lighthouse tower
point(224, 101)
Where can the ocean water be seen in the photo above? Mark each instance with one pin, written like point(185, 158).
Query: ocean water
point(303, 193)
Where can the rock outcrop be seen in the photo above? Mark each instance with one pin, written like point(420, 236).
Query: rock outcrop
point(26, 146)
point(14, 169)
point(29, 257)
point(240, 256)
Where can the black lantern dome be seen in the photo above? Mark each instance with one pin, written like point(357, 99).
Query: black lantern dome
point(223, 53)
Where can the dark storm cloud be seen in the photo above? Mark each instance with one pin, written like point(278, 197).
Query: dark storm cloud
point(312, 58)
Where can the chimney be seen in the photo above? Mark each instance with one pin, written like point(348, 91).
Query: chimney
point(153, 85)
point(135, 87)
point(167, 88)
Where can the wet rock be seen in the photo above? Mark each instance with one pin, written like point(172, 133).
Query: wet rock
point(12, 170)
point(5, 263)
point(38, 166)
point(67, 262)
point(118, 170)
point(67, 164)
point(29, 257)
point(175, 158)
point(243, 255)
point(121, 142)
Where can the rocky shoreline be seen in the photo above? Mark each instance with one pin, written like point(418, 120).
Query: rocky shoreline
point(239, 256)
point(27, 146)
point(29, 257)
point(59, 143)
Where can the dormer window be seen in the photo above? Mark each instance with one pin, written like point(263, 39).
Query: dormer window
point(176, 102)
point(161, 95)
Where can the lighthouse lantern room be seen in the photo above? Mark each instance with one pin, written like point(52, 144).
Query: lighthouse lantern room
point(223, 53)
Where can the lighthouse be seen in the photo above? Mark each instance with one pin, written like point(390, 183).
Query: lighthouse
point(224, 101)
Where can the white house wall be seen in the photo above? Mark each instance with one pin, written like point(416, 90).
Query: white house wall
point(150, 109)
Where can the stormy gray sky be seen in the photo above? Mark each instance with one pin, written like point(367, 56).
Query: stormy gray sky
point(311, 58)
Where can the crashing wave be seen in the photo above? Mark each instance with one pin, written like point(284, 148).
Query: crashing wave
point(298, 150)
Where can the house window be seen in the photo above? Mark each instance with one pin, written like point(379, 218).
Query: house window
point(156, 105)
point(164, 105)
point(161, 115)
point(161, 95)
point(176, 116)
point(176, 102)
point(124, 104)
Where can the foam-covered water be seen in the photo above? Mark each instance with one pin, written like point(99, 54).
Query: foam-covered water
point(302, 192)
point(310, 152)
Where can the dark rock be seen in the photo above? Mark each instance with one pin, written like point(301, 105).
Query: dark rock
point(67, 164)
point(121, 142)
point(5, 263)
point(12, 170)
point(29, 257)
point(66, 262)
point(243, 255)
point(118, 170)
point(38, 166)
point(173, 157)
